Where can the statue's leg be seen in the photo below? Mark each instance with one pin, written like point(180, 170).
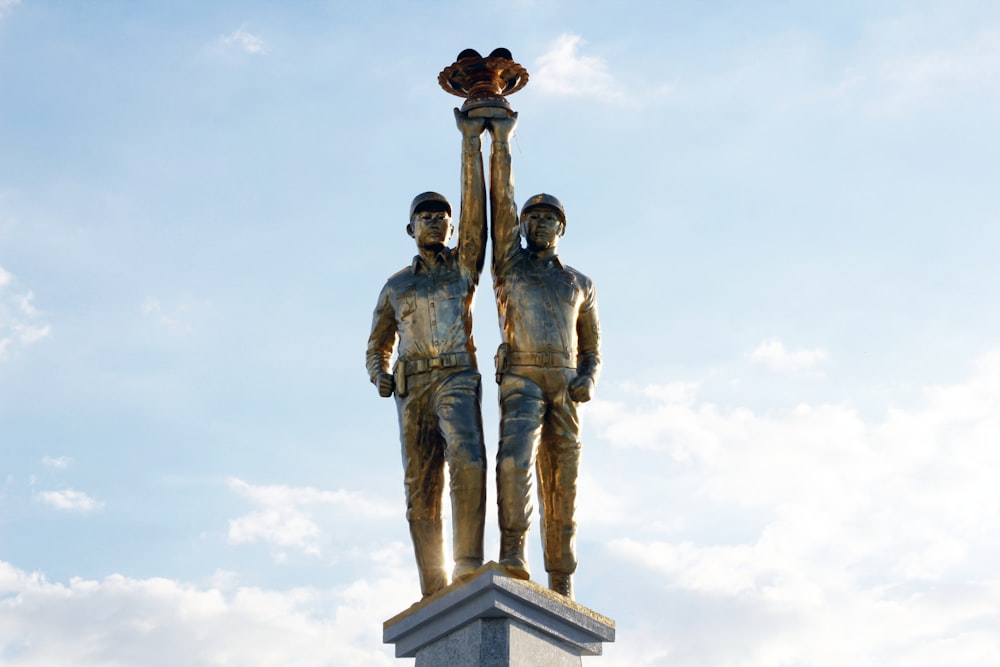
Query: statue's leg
point(557, 467)
point(423, 478)
point(521, 409)
point(460, 419)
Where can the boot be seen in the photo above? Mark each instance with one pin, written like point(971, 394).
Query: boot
point(512, 555)
point(561, 583)
point(468, 511)
point(428, 547)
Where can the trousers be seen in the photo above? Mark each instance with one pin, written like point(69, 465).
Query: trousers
point(540, 430)
point(440, 420)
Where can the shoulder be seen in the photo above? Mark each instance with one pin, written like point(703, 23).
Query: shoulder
point(517, 256)
point(399, 279)
point(577, 277)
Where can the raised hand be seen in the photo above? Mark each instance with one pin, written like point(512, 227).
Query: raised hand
point(470, 127)
point(503, 128)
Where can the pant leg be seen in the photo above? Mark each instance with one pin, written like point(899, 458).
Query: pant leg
point(458, 405)
point(558, 464)
point(522, 406)
point(423, 479)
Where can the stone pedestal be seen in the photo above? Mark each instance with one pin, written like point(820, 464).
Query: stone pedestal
point(494, 620)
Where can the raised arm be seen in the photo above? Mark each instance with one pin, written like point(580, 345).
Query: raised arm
point(503, 210)
point(472, 218)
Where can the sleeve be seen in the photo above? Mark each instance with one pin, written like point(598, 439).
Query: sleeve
point(383, 336)
point(503, 211)
point(588, 332)
point(472, 218)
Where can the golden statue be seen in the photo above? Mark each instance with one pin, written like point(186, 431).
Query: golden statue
point(548, 362)
point(425, 311)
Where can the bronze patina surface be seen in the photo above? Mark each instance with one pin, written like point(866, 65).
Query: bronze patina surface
point(424, 311)
point(548, 362)
point(484, 82)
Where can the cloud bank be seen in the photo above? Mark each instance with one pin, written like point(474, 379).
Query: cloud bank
point(774, 355)
point(810, 535)
point(298, 518)
point(121, 621)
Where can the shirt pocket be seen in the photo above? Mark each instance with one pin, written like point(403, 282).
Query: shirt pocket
point(449, 301)
point(407, 302)
point(566, 291)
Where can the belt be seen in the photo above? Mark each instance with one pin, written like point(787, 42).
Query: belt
point(415, 366)
point(543, 359)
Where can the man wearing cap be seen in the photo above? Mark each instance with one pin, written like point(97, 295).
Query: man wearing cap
point(426, 311)
point(548, 363)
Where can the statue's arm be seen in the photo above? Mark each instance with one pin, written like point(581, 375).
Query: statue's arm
point(503, 210)
point(472, 218)
point(588, 333)
point(380, 343)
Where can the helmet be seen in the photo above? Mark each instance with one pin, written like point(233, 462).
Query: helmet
point(425, 198)
point(545, 200)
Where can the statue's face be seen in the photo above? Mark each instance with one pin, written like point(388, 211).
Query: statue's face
point(431, 227)
point(541, 226)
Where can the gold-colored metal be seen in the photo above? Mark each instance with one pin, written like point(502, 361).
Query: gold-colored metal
point(549, 362)
point(424, 311)
point(484, 82)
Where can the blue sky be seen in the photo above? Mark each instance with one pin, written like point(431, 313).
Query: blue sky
point(790, 212)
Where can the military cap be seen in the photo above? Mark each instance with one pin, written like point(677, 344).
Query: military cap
point(425, 198)
point(544, 200)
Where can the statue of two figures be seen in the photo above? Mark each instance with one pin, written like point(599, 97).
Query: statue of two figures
point(546, 365)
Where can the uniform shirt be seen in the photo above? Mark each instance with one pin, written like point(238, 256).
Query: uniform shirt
point(429, 309)
point(546, 306)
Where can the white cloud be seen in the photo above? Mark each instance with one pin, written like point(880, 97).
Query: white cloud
point(909, 64)
point(7, 5)
point(969, 69)
point(563, 71)
point(70, 499)
point(244, 41)
point(18, 317)
point(800, 528)
point(173, 319)
point(773, 355)
point(29, 333)
point(120, 621)
point(294, 517)
point(24, 302)
point(56, 461)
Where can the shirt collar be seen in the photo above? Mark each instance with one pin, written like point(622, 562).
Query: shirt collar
point(546, 257)
point(418, 265)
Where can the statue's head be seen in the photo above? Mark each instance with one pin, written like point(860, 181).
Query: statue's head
point(430, 220)
point(543, 221)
